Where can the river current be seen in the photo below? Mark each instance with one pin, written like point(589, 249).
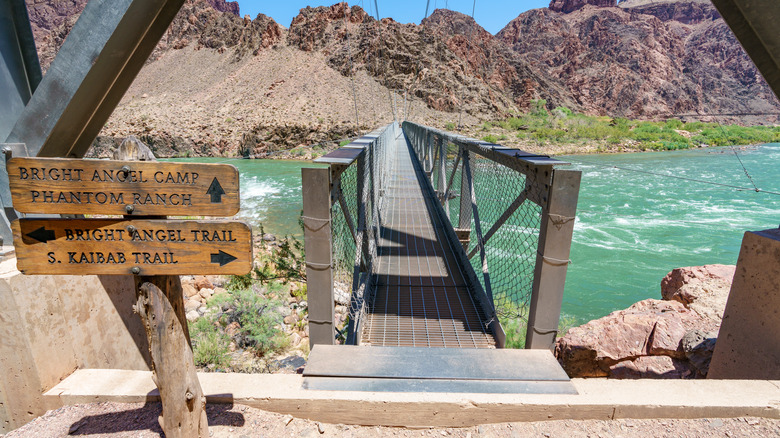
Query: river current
point(631, 228)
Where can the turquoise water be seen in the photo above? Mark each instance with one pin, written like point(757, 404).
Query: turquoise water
point(270, 192)
point(631, 228)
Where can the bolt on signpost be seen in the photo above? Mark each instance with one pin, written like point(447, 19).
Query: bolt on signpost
point(142, 243)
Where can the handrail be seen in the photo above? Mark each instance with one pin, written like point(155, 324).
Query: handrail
point(512, 263)
point(344, 200)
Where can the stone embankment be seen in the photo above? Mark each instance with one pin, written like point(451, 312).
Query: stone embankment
point(669, 338)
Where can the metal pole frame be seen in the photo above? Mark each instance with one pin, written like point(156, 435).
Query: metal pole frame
point(318, 244)
point(552, 259)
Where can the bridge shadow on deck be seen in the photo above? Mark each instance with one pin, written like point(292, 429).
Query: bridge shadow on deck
point(420, 297)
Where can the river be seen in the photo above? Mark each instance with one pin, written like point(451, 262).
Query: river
point(631, 228)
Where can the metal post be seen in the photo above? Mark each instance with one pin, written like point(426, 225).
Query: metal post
point(96, 64)
point(464, 222)
point(552, 259)
point(319, 254)
point(441, 184)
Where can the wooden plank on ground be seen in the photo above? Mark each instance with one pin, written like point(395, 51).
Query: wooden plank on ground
point(138, 246)
point(76, 186)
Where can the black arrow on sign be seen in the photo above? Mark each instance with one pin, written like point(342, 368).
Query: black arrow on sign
point(222, 258)
point(216, 192)
point(42, 235)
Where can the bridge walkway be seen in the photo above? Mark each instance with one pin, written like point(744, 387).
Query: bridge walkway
point(421, 297)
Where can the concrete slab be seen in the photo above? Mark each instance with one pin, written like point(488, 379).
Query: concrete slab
point(597, 399)
point(748, 344)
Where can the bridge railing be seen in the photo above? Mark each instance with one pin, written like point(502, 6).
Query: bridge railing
point(513, 212)
point(341, 208)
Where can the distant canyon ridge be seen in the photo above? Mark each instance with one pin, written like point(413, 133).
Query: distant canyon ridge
point(222, 84)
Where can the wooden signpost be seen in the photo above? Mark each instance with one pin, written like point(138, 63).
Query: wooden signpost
point(142, 242)
point(137, 188)
point(141, 247)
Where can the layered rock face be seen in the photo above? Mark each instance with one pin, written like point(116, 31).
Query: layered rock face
point(210, 23)
point(644, 61)
point(449, 61)
point(640, 58)
point(669, 338)
point(567, 6)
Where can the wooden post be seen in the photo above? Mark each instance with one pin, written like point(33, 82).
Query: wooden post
point(160, 305)
point(161, 308)
point(552, 259)
point(319, 254)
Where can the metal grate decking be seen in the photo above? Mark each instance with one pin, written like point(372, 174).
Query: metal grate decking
point(421, 299)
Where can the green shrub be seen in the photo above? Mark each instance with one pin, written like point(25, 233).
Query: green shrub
point(210, 345)
point(343, 143)
point(449, 126)
point(284, 263)
point(539, 108)
point(674, 124)
point(549, 134)
point(258, 318)
point(236, 282)
point(490, 139)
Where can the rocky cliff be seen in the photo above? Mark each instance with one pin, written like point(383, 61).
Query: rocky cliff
point(638, 58)
point(449, 61)
point(212, 23)
point(643, 61)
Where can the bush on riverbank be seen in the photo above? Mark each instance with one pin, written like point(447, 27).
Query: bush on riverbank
point(257, 317)
point(561, 125)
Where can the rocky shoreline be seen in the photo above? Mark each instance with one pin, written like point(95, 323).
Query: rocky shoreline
point(670, 338)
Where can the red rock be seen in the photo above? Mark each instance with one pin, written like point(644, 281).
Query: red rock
point(651, 367)
point(704, 289)
point(189, 290)
point(649, 327)
point(567, 6)
point(681, 284)
point(201, 282)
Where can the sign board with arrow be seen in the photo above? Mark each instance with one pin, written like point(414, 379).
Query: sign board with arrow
point(138, 246)
point(138, 188)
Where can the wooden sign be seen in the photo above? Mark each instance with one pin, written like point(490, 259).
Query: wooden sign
point(75, 186)
point(141, 247)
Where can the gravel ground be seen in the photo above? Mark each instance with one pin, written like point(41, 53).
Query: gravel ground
point(140, 420)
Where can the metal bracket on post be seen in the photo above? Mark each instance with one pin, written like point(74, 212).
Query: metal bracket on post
point(318, 244)
point(552, 259)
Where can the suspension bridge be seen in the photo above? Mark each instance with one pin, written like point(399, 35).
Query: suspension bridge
point(436, 238)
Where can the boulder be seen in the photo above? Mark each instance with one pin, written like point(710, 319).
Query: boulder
point(647, 328)
point(651, 367)
point(704, 289)
point(191, 305)
point(698, 346)
point(670, 338)
point(202, 282)
point(189, 290)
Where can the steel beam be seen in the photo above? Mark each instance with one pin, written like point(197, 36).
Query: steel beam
point(104, 52)
point(552, 259)
point(20, 74)
point(20, 71)
point(755, 22)
point(318, 241)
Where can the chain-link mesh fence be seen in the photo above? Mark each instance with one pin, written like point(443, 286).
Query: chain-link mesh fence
point(506, 202)
point(356, 201)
